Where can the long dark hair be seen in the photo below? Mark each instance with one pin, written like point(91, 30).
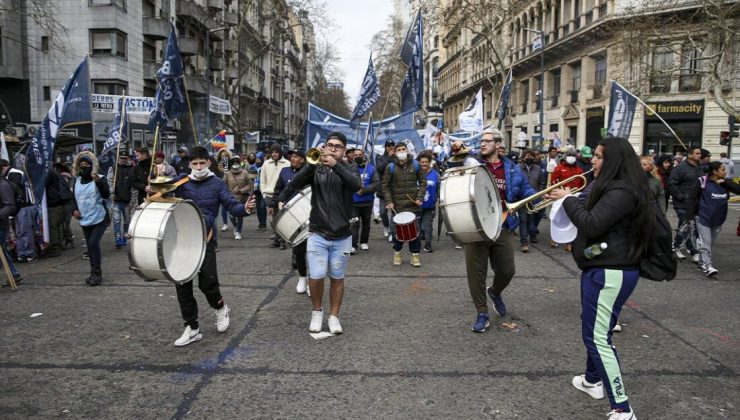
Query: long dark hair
point(621, 163)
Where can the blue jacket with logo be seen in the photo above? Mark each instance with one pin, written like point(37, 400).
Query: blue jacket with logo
point(712, 202)
point(430, 198)
point(517, 188)
point(370, 182)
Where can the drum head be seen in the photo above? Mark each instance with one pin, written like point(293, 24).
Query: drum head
point(404, 218)
point(183, 246)
point(488, 204)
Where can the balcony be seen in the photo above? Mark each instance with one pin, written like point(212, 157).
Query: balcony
point(150, 69)
point(660, 84)
point(231, 19)
point(188, 46)
point(689, 82)
point(574, 96)
point(216, 4)
point(189, 8)
point(216, 63)
point(598, 91)
point(155, 28)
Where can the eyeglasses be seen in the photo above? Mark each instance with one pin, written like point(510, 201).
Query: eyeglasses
point(489, 141)
point(334, 146)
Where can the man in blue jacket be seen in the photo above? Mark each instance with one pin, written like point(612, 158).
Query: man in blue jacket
point(512, 186)
point(208, 192)
point(363, 200)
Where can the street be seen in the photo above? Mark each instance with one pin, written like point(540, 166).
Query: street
point(407, 350)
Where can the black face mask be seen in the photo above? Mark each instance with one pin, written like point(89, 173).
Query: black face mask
point(529, 161)
point(360, 161)
point(86, 172)
point(251, 161)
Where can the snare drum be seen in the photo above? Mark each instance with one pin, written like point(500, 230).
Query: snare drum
point(470, 205)
point(168, 241)
point(291, 223)
point(405, 226)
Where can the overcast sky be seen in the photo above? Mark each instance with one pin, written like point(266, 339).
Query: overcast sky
point(356, 21)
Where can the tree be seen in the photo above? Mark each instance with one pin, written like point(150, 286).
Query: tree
point(328, 95)
point(385, 46)
point(695, 42)
point(41, 13)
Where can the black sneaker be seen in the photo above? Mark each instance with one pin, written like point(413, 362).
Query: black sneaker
point(428, 249)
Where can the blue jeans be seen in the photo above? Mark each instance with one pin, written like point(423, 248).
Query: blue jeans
point(121, 219)
point(224, 215)
point(327, 256)
point(93, 234)
point(527, 226)
point(25, 224)
point(427, 225)
point(4, 243)
point(237, 222)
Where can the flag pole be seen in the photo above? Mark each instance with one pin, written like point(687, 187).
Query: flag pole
point(151, 163)
point(387, 98)
point(190, 110)
point(500, 95)
point(118, 146)
point(654, 112)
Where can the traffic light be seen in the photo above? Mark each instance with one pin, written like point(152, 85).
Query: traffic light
point(724, 138)
point(734, 127)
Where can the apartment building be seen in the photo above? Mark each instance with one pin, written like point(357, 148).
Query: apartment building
point(585, 46)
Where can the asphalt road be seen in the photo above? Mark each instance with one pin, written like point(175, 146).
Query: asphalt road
point(407, 350)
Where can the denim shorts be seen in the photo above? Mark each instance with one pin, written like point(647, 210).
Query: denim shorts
point(326, 256)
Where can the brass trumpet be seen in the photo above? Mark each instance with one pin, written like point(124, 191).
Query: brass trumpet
point(534, 208)
point(313, 156)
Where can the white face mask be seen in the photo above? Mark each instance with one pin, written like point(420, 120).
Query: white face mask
point(570, 160)
point(402, 155)
point(200, 173)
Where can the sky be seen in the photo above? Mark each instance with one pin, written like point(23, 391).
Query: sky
point(356, 21)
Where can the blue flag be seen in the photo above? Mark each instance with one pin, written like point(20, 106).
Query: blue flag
point(369, 141)
point(412, 54)
point(116, 134)
point(72, 106)
point(171, 96)
point(622, 106)
point(504, 101)
point(369, 94)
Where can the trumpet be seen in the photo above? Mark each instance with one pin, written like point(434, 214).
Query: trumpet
point(313, 156)
point(534, 208)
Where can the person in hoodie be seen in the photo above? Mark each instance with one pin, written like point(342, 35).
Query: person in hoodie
point(91, 190)
point(208, 193)
point(122, 186)
point(268, 178)
point(713, 193)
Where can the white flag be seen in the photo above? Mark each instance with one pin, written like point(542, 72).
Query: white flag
point(472, 118)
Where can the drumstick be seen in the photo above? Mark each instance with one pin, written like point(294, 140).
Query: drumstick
point(176, 184)
point(412, 200)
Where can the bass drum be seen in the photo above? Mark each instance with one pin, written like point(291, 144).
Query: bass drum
point(470, 205)
point(291, 223)
point(168, 241)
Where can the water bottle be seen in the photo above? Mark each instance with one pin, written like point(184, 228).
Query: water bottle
point(594, 250)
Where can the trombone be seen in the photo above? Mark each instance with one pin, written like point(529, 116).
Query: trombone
point(534, 208)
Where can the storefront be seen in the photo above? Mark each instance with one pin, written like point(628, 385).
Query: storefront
point(684, 117)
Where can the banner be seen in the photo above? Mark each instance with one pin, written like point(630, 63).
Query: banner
point(171, 99)
point(368, 146)
point(412, 54)
point(369, 94)
point(252, 138)
point(72, 106)
point(622, 106)
point(135, 105)
point(536, 43)
point(504, 101)
point(116, 135)
point(219, 106)
point(472, 118)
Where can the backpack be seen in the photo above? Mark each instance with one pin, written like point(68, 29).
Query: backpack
point(659, 263)
point(416, 167)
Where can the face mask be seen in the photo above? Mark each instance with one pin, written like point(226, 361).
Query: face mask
point(402, 156)
point(570, 160)
point(529, 161)
point(251, 161)
point(86, 172)
point(359, 160)
point(259, 164)
point(236, 169)
point(200, 173)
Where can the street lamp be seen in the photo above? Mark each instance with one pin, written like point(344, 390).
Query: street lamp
point(208, 78)
point(541, 34)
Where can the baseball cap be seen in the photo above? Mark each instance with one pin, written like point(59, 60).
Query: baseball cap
point(586, 152)
point(296, 152)
point(390, 143)
point(337, 135)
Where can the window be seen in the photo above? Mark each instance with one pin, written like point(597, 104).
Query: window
point(660, 82)
point(555, 87)
point(600, 70)
point(576, 77)
point(690, 79)
point(436, 41)
point(45, 44)
point(109, 87)
point(119, 3)
point(108, 41)
point(47, 93)
point(148, 9)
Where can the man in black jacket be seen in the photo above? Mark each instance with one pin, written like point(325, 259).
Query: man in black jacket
point(681, 185)
point(58, 196)
point(7, 209)
point(332, 184)
point(182, 166)
point(141, 172)
point(125, 177)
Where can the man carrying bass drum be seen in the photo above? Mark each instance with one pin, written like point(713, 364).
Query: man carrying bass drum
point(512, 186)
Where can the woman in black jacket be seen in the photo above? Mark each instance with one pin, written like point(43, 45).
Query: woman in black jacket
point(617, 212)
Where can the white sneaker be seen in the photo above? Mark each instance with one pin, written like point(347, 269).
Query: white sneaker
point(301, 286)
point(390, 238)
point(680, 255)
point(237, 236)
point(353, 251)
point(224, 228)
point(385, 232)
point(696, 258)
point(188, 336)
point(222, 318)
point(334, 326)
point(595, 391)
point(616, 415)
point(317, 318)
point(711, 271)
point(617, 328)
point(458, 246)
point(364, 247)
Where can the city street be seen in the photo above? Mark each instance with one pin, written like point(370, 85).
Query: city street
point(407, 350)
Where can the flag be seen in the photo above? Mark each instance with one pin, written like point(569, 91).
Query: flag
point(116, 135)
point(536, 42)
point(219, 140)
point(4, 148)
point(171, 96)
point(472, 118)
point(72, 106)
point(369, 141)
point(412, 54)
point(504, 100)
point(369, 94)
point(622, 106)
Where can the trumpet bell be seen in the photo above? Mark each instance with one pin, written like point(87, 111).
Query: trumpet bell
point(313, 156)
